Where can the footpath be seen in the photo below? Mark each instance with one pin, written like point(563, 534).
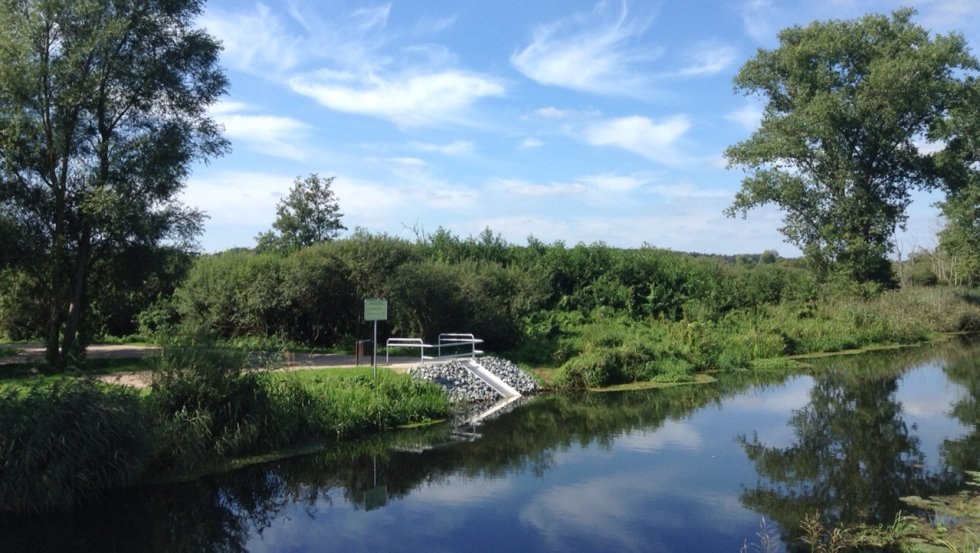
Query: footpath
point(33, 353)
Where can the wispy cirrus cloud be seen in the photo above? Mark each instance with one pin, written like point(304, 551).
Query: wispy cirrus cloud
point(531, 143)
point(270, 135)
point(407, 99)
point(537, 190)
point(454, 148)
point(656, 141)
point(748, 116)
point(708, 58)
point(758, 20)
point(257, 41)
point(596, 52)
point(355, 64)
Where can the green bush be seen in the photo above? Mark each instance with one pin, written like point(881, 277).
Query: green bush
point(209, 403)
point(66, 442)
point(316, 405)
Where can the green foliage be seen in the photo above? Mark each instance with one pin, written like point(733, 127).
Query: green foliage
point(103, 110)
point(65, 442)
point(310, 214)
point(21, 305)
point(634, 314)
point(960, 239)
point(836, 150)
point(211, 405)
point(348, 407)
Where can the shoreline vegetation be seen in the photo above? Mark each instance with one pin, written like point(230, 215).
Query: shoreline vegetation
point(590, 317)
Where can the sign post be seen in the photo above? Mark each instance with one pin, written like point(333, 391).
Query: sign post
point(375, 310)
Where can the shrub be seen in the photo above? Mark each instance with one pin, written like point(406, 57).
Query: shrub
point(65, 442)
point(210, 404)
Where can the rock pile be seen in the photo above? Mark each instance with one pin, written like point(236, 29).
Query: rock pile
point(464, 386)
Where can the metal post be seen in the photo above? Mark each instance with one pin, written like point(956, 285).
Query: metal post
point(374, 350)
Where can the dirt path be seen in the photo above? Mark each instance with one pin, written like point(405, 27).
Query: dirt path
point(30, 353)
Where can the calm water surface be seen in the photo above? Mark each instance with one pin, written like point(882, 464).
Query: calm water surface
point(694, 468)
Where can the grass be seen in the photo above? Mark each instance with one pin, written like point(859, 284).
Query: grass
point(604, 349)
point(23, 376)
point(700, 378)
point(314, 375)
point(208, 405)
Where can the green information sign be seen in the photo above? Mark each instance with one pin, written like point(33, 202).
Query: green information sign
point(375, 310)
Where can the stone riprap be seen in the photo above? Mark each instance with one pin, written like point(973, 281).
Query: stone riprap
point(465, 387)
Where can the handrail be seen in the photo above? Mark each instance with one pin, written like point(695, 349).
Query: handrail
point(457, 338)
point(407, 343)
point(447, 339)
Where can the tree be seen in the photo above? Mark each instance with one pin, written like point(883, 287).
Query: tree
point(308, 215)
point(960, 165)
point(839, 146)
point(103, 110)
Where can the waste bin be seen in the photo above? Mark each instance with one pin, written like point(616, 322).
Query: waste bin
point(362, 350)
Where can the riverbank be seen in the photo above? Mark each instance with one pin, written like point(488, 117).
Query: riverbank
point(602, 349)
point(69, 440)
point(208, 407)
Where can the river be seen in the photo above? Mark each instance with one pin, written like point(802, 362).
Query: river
point(706, 468)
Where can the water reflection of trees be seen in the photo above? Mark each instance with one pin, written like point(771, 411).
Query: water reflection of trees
point(854, 456)
point(221, 513)
point(963, 368)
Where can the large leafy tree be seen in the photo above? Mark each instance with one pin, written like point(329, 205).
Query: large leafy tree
point(309, 214)
point(960, 164)
point(839, 148)
point(103, 110)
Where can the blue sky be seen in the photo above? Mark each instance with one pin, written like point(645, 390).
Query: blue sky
point(579, 121)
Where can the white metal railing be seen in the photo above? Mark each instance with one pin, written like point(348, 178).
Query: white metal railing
point(407, 343)
point(451, 339)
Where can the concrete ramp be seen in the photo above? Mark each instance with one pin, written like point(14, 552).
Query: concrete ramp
point(508, 393)
point(492, 380)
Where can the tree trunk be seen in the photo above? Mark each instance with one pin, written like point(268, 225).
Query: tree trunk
point(70, 346)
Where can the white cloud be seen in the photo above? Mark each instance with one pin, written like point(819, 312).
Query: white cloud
point(531, 143)
point(556, 114)
point(407, 99)
point(687, 191)
point(757, 20)
point(709, 59)
point(748, 116)
point(367, 19)
point(237, 199)
point(947, 14)
point(527, 189)
point(652, 140)
point(593, 52)
point(257, 42)
point(615, 183)
point(345, 64)
point(266, 134)
point(595, 189)
point(455, 148)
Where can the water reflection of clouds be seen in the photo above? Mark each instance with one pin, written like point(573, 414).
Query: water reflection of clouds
point(923, 393)
point(793, 394)
point(463, 491)
point(633, 511)
point(597, 510)
point(421, 518)
point(673, 434)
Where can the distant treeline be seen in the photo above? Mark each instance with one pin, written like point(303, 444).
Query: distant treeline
point(603, 314)
point(482, 285)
